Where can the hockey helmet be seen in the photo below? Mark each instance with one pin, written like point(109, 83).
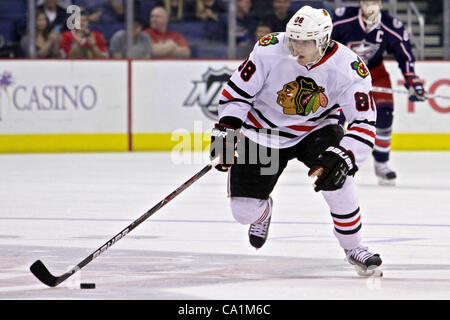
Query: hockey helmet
point(311, 24)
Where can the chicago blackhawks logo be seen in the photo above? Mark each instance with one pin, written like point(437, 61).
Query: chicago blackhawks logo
point(268, 39)
point(301, 96)
point(360, 68)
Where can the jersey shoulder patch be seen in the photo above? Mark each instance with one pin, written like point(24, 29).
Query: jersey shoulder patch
point(397, 23)
point(391, 22)
point(345, 13)
point(349, 65)
point(270, 45)
point(360, 68)
point(394, 26)
point(339, 12)
point(269, 39)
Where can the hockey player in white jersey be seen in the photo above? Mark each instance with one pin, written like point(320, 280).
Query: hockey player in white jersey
point(285, 100)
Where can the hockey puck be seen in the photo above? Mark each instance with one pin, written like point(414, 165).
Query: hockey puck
point(87, 285)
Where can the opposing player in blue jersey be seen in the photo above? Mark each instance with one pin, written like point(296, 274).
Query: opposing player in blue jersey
point(370, 32)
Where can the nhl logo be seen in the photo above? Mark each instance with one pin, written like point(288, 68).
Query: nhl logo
point(206, 92)
point(6, 80)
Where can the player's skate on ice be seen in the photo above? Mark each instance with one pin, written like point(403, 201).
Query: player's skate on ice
point(385, 175)
point(365, 262)
point(259, 230)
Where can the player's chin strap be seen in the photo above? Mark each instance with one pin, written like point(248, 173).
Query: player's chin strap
point(322, 51)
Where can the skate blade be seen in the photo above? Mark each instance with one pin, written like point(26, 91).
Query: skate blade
point(385, 182)
point(372, 271)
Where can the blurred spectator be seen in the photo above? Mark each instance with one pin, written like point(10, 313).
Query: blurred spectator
point(56, 15)
point(245, 23)
point(103, 11)
point(83, 43)
point(262, 29)
point(141, 47)
point(178, 10)
point(47, 42)
point(328, 5)
point(209, 10)
point(62, 3)
point(280, 15)
point(166, 44)
point(262, 8)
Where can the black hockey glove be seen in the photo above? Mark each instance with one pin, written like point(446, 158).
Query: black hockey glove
point(223, 145)
point(415, 88)
point(332, 168)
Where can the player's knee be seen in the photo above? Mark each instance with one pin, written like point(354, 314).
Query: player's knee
point(384, 117)
point(344, 200)
point(247, 210)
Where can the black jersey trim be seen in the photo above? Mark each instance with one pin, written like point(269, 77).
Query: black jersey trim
point(325, 113)
point(349, 231)
point(345, 216)
point(365, 121)
point(269, 131)
point(235, 100)
point(239, 90)
point(370, 144)
point(271, 124)
point(333, 116)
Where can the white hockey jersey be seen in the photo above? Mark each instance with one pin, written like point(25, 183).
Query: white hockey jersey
point(281, 101)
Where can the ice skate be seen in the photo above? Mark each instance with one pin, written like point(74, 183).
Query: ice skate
point(386, 176)
point(257, 233)
point(367, 264)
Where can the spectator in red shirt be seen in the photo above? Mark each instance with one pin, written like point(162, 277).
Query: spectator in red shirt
point(166, 44)
point(83, 43)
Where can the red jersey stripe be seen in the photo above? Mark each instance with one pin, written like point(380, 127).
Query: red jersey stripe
point(264, 216)
point(347, 224)
point(254, 121)
point(368, 132)
point(226, 94)
point(301, 128)
point(326, 57)
point(382, 144)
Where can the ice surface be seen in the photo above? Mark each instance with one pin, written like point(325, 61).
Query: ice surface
point(61, 207)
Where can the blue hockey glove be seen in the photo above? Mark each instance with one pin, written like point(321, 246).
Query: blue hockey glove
point(415, 87)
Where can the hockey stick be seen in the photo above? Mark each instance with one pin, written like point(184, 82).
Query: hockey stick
point(41, 272)
point(387, 90)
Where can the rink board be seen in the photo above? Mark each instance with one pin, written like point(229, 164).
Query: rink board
point(19, 143)
point(160, 105)
point(58, 105)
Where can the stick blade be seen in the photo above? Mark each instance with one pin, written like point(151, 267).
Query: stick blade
point(41, 272)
